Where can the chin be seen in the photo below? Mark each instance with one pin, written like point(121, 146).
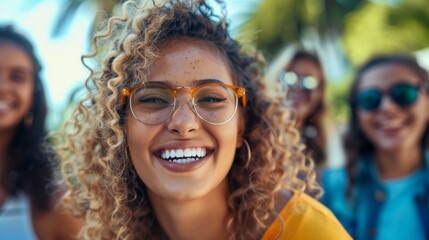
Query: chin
point(391, 146)
point(185, 195)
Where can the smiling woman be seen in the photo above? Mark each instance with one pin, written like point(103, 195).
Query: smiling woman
point(29, 199)
point(384, 191)
point(177, 139)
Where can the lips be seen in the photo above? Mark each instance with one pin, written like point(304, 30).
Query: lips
point(391, 127)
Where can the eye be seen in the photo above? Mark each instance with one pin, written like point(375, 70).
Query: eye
point(211, 99)
point(151, 100)
point(214, 96)
point(18, 77)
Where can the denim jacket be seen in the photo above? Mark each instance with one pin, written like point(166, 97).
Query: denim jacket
point(360, 213)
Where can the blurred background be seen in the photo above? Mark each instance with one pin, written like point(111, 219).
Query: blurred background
point(344, 32)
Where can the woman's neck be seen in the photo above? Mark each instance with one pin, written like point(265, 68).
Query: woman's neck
point(398, 163)
point(203, 218)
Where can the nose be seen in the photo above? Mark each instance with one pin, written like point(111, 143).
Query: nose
point(388, 105)
point(184, 120)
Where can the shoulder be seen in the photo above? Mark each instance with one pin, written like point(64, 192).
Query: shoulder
point(333, 176)
point(56, 223)
point(334, 183)
point(303, 217)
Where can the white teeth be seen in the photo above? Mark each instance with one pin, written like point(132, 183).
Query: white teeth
point(188, 152)
point(185, 160)
point(182, 156)
point(387, 125)
point(179, 153)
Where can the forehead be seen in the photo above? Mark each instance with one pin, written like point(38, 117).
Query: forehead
point(384, 75)
point(184, 60)
point(305, 66)
point(12, 56)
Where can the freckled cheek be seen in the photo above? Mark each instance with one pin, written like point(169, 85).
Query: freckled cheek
point(227, 137)
point(139, 140)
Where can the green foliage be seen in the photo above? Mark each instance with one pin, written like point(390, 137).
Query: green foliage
point(381, 28)
point(103, 9)
point(337, 95)
point(275, 23)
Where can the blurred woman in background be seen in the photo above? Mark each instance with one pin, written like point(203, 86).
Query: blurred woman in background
point(28, 197)
point(300, 73)
point(383, 193)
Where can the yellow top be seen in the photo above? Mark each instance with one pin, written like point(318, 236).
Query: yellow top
point(305, 218)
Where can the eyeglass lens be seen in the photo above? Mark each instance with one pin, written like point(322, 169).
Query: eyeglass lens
point(289, 79)
point(153, 104)
point(403, 94)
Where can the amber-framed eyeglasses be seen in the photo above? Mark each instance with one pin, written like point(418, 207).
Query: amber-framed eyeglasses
point(154, 103)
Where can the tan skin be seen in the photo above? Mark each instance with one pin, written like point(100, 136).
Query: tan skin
point(185, 201)
point(16, 88)
point(305, 102)
point(16, 91)
point(395, 131)
point(181, 199)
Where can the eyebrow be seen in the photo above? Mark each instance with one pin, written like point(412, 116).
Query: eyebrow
point(198, 82)
point(22, 69)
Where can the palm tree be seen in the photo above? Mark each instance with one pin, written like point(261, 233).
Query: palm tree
point(277, 22)
point(102, 9)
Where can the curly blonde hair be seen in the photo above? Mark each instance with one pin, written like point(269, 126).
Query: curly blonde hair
point(103, 184)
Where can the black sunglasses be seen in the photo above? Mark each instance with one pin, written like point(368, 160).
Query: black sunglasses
point(403, 94)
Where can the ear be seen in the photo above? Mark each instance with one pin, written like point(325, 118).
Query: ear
point(241, 129)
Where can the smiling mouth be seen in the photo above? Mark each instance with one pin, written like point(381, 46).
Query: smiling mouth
point(392, 125)
point(183, 156)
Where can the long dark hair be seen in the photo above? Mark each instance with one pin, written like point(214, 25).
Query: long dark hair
point(316, 144)
point(27, 167)
point(356, 143)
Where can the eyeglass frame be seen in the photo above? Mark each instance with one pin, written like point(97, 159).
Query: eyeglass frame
point(240, 92)
point(299, 81)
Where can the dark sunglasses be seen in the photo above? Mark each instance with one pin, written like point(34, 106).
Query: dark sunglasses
point(403, 94)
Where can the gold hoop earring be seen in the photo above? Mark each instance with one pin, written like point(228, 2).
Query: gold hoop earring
point(249, 152)
point(28, 119)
